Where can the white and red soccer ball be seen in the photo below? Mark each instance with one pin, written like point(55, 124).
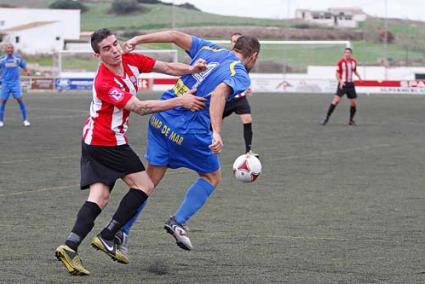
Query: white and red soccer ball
point(247, 168)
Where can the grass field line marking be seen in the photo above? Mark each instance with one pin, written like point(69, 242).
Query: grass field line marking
point(326, 153)
point(39, 158)
point(40, 190)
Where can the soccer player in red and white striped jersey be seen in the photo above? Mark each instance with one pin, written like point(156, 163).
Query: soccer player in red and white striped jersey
point(346, 68)
point(106, 155)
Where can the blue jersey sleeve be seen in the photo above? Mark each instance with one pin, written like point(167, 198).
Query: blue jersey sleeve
point(22, 62)
point(238, 80)
point(198, 44)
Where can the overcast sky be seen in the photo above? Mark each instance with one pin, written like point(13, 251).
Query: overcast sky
point(404, 9)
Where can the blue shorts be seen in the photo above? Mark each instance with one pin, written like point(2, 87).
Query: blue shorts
point(167, 148)
point(7, 88)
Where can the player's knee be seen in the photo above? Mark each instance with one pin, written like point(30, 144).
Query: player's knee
point(213, 178)
point(147, 187)
point(246, 119)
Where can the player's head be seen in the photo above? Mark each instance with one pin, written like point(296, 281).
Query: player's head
point(348, 52)
point(106, 47)
point(234, 38)
point(9, 48)
point(248, 48)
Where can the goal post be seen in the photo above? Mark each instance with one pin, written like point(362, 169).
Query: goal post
point(294, 56)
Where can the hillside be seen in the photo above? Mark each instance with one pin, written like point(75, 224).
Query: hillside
point(406, 48)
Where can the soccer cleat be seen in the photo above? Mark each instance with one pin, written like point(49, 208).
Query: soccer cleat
point(352, 123)
point(121, 239)
point(1, 123)
point(110, 248)
point(26, 123)
point(71, 260)
point(324, 121)
point(179, 233)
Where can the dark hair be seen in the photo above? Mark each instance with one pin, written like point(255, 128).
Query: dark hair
point(247, 45)
point(347, 48)
point(97, 37)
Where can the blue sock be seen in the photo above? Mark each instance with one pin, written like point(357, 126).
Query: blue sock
point(127, 227)
point(196, 196)
point(23, 110)
point(2, 108)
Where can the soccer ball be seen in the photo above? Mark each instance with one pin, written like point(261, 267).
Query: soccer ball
point(247, 168)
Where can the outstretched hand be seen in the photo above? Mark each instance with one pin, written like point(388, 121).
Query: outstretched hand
point(192, 102)
point(129, 45)
point(199, 66)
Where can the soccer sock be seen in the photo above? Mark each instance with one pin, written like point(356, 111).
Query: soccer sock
point(353, 110)
point(127, 208)
point(83, 225)
point(330, 110)
point(23, 110)
point(247, 135)
point(196, 196)
point(2, 108)
point(127, 227)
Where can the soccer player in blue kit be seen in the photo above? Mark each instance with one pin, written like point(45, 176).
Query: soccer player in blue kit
point(9, 66)
point(192, 139)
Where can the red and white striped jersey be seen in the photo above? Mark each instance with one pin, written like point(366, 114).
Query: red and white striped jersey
point(346, 68)
point(108, 121)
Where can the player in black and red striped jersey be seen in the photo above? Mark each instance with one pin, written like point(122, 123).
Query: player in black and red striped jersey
point(106, 155)
point(346, 68)
point(241, 107)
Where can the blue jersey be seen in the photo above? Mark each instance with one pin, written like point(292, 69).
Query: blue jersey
point(9, 65)
point(223, 67)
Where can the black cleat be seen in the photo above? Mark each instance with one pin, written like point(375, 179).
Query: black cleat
point(352, 123)
point(324, 121)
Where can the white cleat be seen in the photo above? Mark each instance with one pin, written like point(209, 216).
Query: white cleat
point(179, 233)
point(1, 123)
point(27, 123)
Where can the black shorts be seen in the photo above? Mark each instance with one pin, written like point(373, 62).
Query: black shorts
point(348, 89)
point(238, 106)
point(106, 164)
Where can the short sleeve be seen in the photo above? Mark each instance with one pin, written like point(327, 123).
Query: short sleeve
point(109, 92)
point(142, 62)
point(355, 65)
point(22, 63)
point(338, 67)
point(198, 44)
point(238, 80)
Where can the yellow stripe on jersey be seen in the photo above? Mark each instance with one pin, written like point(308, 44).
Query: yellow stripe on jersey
point(232, 67)
point(180, 88)
point(212, 49)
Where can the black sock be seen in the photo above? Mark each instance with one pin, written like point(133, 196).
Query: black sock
point(352, 112)
point(83, 225)
point(330, 110)
point(247, 135)
point(128, 206)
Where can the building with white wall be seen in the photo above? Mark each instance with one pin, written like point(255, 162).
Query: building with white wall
point(39, 31)
point(333, 17)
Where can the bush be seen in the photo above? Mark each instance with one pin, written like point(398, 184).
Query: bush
point(68, 4)
point(124, 7)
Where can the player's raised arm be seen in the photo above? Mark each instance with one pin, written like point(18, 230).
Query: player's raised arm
point(178, 69)
point(144, 107)
point(180, 39)
point(217, 103)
